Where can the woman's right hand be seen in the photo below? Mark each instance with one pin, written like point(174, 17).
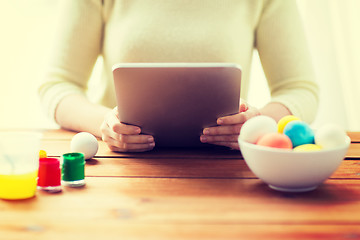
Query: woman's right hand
point(122, 137)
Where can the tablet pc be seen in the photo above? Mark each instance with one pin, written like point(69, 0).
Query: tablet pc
point(174, 102)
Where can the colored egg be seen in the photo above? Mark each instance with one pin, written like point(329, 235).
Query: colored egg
point(256, 127)
point(307, 148)
point(299, 133)
point(330, 136)
point(284, 121)
point(275, 140)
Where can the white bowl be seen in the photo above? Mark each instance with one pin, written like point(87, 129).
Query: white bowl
point(289, 171)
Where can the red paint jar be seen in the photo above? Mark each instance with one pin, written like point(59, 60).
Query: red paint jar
point(49, 175)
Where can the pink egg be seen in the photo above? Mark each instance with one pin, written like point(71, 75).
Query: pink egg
point(275, 140)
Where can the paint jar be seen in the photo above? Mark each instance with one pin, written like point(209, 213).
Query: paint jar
point(19, 162)
point(49, 175)
point(73, 169)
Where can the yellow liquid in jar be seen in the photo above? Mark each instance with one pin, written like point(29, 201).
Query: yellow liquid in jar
point(18, 186)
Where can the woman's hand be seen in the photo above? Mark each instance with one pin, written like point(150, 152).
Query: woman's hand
point(124, 138)
point(227, 133)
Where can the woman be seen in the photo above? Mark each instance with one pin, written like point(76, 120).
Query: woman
point(175, 31)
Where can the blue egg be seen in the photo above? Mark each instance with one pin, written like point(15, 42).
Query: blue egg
point(299, 133)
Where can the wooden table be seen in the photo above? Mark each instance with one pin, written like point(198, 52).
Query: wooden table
point(183, 194)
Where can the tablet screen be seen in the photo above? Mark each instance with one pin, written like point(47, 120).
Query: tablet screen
point(175, 102)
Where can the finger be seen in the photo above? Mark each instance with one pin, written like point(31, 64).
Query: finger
point(221, 138)
point(238, 118)
point(116, 126)
point(112, 118)
point(116, 149)
point(122, 128)
point(232, 145)
point(117, 146)
point(108, 132)
point(223, 130)
point(131, 141)
point(135, 138)
point(127, 138)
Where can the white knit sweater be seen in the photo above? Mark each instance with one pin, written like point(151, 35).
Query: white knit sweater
point(181, 31)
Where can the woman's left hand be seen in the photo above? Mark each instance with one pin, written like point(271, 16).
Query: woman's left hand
point(228, 129)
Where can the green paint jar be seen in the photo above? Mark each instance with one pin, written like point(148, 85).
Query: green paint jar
point(73, 169)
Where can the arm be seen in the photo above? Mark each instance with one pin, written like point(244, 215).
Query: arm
point(275, 110)
point(75, 112)
point(286, 59)
point(77, 45)
point(280, 40)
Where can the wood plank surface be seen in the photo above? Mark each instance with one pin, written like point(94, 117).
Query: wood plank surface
point(176, 163)
point(183, 194)
point(184, 208)
point(113, 230)
point(195, 200)
point(57, 142)
point(59, 147)
point(354, 151)
point(355, 136)
point(190, 168)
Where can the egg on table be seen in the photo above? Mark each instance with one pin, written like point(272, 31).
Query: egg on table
point(85, 143)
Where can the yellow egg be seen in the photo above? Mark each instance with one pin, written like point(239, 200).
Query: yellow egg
point(284, 121)
point(42, 154)
point(307, 148)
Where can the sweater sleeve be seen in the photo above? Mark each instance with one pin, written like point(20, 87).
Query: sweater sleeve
point(75, 49)
point(285, 57)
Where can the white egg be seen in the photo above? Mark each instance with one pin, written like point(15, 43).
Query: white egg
point(330, 136)
point(256, 127)
point(85, 143)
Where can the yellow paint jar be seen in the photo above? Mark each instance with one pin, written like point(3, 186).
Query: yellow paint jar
point(18, 186)
point(19, 163)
